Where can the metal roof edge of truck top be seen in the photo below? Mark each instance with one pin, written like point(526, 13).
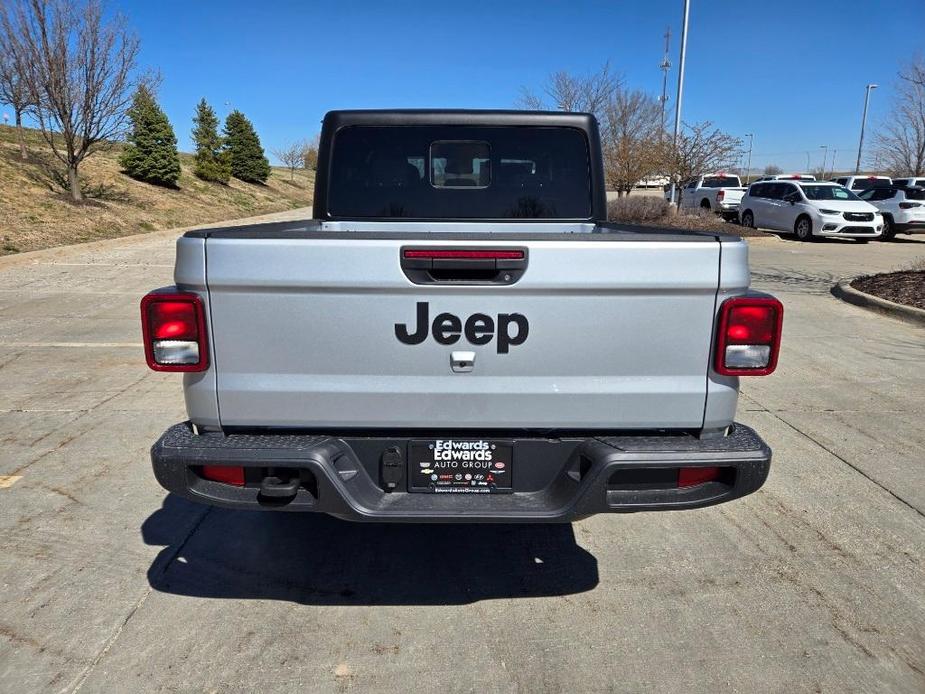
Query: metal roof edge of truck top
point(483, 117)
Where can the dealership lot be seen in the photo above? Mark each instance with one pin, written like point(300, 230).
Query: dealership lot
point(815, 583)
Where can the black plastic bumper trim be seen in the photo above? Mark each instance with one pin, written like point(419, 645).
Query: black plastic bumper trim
point(577, 484)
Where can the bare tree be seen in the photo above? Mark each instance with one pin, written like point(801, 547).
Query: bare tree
point(630, 138)
point(773, 170)
point(900, 145)
point(703, 148)
point(629, 121)
point(310, 155)
point(567, 92)
point(13, 89)
point(915, 72)
point(80, 72)
point(292, 156)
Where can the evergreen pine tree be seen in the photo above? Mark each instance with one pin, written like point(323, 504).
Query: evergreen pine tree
point(212, 161)
point(151, 153)
point(248, 162)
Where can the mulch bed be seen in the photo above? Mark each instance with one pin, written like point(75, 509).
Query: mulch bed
point(904, 287)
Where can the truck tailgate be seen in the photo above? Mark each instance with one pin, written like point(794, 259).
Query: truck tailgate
point(304, 335)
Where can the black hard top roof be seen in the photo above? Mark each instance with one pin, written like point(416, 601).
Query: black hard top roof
point(339, 119)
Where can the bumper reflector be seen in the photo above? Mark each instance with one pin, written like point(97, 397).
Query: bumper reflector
point(228, 474)
point(692, 476)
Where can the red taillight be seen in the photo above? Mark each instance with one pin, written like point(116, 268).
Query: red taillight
point(173, 320)
point(748, 338)
point(228, 474)
point(174, 332)
point(692, 476)
point(720, 194)
point(463, 254)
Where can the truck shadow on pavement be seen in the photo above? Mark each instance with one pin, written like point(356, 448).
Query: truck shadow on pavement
point(318, 560)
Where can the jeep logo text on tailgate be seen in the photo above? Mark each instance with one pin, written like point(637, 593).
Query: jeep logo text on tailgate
point(479, 329)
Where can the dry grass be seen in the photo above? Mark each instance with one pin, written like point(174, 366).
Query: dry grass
point(638, 209)
point(35, 214)
point(655, 211)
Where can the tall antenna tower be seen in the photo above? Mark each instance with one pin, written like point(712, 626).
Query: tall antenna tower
point(665, 67)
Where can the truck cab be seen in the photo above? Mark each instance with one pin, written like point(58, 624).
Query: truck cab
point(460, 335)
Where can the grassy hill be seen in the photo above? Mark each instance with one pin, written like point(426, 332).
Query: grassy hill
point(34, 213)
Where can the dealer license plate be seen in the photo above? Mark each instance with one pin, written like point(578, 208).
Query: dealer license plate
point(460, 466)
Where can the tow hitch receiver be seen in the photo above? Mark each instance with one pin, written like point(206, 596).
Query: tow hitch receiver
point(278, 486)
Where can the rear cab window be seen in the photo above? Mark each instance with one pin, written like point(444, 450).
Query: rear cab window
point(460, 172)
point(867, 183)
point(720, 182)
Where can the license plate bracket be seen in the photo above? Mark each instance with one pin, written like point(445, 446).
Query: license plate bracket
point(460, 466)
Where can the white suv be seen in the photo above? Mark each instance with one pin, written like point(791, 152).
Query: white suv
point(903, 209)
point(809, 209)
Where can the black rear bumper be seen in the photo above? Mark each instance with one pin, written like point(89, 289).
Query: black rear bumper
point(557, 479)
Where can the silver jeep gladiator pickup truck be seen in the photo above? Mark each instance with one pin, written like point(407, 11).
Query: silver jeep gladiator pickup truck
point(459, 335)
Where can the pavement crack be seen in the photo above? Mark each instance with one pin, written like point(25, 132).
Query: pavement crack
point(82, 678)
point(110, 642)
point(78, 434)
point(831, 452)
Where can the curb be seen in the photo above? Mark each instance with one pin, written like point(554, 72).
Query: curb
point(844, 291)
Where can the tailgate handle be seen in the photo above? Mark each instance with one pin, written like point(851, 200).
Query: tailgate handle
point(463, 265)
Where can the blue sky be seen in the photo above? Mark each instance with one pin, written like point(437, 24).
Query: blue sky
point(791, 73)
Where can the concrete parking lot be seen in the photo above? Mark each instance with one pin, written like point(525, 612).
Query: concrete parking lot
point(816, 583)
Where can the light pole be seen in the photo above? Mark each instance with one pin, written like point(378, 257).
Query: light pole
point(677, 105)
point(832, 172)
point(825, 157)
point(748, 166)
point(857, 166)
point(807, 161)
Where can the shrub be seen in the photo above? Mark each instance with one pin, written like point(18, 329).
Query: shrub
point(638, 209)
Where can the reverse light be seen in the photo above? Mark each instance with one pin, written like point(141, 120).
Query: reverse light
point(748, 338)
point(174, 333)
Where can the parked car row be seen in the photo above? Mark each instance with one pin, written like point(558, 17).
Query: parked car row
point(858, 207)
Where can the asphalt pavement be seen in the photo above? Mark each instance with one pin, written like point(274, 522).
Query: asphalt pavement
point(815, 583)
